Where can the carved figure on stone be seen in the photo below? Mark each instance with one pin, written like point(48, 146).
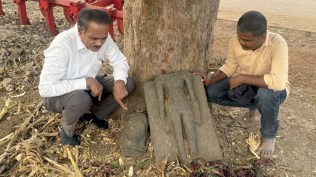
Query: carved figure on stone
point(179, 117)
point(179, 109)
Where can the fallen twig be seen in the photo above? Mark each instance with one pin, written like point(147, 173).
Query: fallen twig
point(4, 167)
point(74, 165)
point(48, 134)
point(58, 165)
point(19, 109)
point(164, 165)
point(7, 138)
point(18, 132)
point(48, 122)
point(5, 108)
point(19, 95)
point(288, 168)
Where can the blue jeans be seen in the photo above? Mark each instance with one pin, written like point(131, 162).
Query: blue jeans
point(266, 101)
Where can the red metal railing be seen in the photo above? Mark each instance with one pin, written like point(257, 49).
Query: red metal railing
point(71, 9)
point(1, 11)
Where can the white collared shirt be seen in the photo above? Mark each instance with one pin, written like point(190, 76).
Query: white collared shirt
point(68, 62)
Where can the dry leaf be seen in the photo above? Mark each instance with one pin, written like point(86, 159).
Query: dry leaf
point(253, 141)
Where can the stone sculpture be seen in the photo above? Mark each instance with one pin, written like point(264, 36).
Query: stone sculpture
point(178, 115)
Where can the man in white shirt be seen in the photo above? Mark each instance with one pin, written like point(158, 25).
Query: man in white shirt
point(69, 83)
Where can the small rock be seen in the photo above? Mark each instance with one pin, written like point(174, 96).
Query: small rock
point(131, 171)
point(44, 111)
point(6, 82)
point(27, 79)
point(1, 70)
point(2, 51)
point(14, 56)
point(9, 88)
point(27, 50)
point(28, 73)
point(28, 66)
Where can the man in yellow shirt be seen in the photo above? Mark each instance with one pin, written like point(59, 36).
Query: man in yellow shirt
point(258, 58)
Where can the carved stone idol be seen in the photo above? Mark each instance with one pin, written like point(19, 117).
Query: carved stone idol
point(179, 117)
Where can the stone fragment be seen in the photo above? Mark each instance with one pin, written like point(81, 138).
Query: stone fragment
point(132, 139)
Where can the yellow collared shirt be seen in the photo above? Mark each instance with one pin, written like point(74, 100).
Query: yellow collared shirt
point(270, 61)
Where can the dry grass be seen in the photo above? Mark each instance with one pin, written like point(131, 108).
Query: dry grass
point(34, 149)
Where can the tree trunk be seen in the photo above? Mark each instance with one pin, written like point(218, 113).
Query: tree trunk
point(163, 36)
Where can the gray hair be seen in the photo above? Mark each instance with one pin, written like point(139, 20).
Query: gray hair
point(85, 16)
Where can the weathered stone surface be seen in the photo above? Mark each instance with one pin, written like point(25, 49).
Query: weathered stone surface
point(178, 114)
point(132, 139)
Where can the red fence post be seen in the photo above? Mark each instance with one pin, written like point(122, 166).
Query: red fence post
point(1, 11)
point(118, 4)
point(67, 15)
point(47, 10)
point(22, 12)
point(74, 9)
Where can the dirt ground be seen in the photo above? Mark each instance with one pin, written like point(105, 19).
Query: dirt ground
point(300, 15)
point(21, 50)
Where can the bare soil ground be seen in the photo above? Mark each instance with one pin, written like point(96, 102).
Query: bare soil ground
point(21, 54)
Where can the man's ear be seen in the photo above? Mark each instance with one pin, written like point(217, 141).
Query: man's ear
point(263, 37)
point(80, 30)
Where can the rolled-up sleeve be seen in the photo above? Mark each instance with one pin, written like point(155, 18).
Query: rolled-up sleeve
point(117, 60)
point(231, 64)
point(276, 80)
point(54, 69)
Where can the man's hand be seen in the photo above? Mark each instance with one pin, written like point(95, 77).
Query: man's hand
point(205, 79)
point(120, 92)
point(257, 81)
point(95, 87)
point(235, 82)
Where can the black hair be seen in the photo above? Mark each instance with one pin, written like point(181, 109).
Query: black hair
point(254, 22)
point(85, 16)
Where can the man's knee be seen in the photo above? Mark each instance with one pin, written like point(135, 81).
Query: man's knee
point(218, 89)
point(211, 91)
point(214, 93)
point(130, 85)
point(79, 100)
point(264, 94)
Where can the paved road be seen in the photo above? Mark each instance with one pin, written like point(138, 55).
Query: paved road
point(295, 14)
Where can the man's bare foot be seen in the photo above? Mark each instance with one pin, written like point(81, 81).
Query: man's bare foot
point(266, 147)
point(252, 114)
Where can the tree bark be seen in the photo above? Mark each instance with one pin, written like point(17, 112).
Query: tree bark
point(163, 36)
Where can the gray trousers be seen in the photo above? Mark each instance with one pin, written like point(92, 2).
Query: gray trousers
point(74, 104)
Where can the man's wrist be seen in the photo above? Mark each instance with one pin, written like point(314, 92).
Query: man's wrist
point(241, 79)
point(119, 81)
point(88, 81)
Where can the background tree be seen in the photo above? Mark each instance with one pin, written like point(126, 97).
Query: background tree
point(163, 36)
